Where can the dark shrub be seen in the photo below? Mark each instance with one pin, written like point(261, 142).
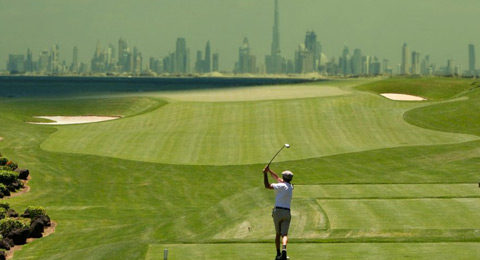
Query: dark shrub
point(20, 235)
point(8, 177)
point(12, 213)
point(44, 219)
point(5, 205)
point(23, 173)
point(13, 166)
point(4, 245)
point(34, 212)
point(36, 228)
point(3, 161)
point(7, 225)
point(3, 213)
point(4, 190)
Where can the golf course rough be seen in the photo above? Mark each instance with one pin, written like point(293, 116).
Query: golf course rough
point(375, 178)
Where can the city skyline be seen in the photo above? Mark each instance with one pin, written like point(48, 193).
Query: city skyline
point(372, 26)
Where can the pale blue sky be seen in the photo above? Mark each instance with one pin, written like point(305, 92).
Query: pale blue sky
point(441, 28)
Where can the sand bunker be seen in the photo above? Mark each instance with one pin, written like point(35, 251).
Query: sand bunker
point(1, 138)
point(71, 120)
point(402, 97)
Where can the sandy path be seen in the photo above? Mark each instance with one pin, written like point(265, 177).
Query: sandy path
point(402, 97)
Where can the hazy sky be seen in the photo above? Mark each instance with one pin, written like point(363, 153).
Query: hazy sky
point(441, 28)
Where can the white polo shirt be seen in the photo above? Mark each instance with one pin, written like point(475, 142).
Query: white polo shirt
point(284, 192)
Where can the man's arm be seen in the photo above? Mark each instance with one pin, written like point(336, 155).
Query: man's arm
point(266, 183)
point(274, 175)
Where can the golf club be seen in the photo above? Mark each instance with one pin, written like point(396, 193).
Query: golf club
point(285, 145)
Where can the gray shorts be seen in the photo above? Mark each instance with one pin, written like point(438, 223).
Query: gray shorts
point(281, 219)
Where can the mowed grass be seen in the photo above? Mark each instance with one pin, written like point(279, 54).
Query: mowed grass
point(367, 251)
point(186, 175)
point(236, 133)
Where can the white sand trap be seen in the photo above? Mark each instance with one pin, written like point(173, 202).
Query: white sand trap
point(1, 138)
point(402, 97)
point(71, 120)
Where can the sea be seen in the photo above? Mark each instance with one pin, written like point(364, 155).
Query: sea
point(51, 86)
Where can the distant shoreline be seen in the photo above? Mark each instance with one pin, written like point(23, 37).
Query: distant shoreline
point(24, 86)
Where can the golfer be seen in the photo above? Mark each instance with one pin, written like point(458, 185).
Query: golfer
point(281, 213)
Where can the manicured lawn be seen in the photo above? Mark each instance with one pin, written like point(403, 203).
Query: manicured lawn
point(376, 179)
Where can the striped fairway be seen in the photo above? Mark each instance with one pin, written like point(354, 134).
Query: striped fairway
point(199, 133)
point(341, 251)
point(387, 191)
point(403, 214)
point(374, 178)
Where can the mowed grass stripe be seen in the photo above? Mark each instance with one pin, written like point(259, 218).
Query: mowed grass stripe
point(204, 133)
point(394, 214)
point(387, 191)
point(340, 251)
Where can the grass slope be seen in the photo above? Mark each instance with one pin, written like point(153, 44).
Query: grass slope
point(419, 198)
point(206, 133)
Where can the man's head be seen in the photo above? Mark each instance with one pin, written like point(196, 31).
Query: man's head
point(287, 176)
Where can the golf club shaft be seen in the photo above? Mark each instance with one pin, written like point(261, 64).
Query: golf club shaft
point(268, 165)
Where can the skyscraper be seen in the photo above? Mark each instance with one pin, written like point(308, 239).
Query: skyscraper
point(215, 62)
point(405, 68)
point(415, 63)
point(181, 56)
point(471, 60)
point(16, 63)
point(199, 64)
point(345, 63)
point(123, 55)
point(74, 66)
point(244, 58)
point(207, 62)
point(314, 46)
point(54, 61)
point(29, 61)
point(274, 61)
point(357, 62)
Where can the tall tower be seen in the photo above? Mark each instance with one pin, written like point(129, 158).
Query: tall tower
point(215, 62)
point(405, 68)
point(244, 63)
point(276, 31)
point(415, 63)
point(274, 60)
point(181, 56)
point(29, 61)
point(207, 63)
point(74, 66)
point(471, 59)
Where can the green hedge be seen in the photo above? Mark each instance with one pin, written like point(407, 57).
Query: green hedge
point(34, 211)
point(8, 177)
point(3, 213)
point(3, 161)
point(7, 225)
point(4, 204)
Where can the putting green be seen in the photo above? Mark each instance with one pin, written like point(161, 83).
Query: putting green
point(255, 93)
point(203, 133)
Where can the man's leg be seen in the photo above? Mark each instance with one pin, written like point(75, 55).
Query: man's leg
point(284, 247)
point(277, 243)
point(284, 242)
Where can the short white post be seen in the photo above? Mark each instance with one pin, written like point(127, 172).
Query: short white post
point(165, 254)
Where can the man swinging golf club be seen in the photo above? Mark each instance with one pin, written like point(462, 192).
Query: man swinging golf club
point(281, 213)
